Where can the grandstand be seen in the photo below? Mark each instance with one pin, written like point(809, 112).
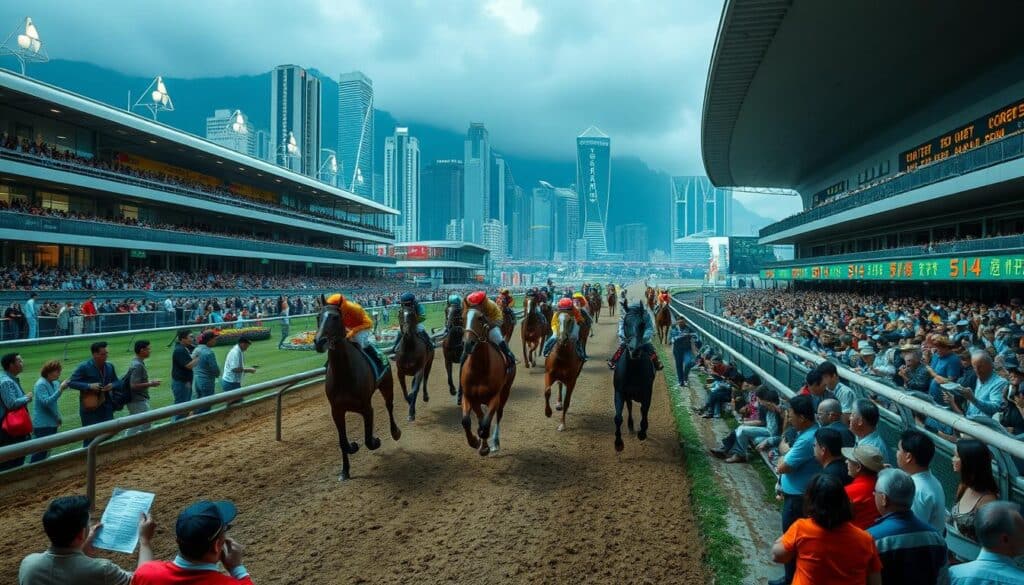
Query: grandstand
point(909, 169)
point(83, 184)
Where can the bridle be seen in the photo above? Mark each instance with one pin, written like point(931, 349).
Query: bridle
point(325, 313)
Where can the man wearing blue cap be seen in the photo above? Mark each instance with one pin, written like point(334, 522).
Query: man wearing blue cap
point(202, 543)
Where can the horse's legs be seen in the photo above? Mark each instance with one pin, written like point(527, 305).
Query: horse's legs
point(410, 398)
point(547, 394)
point(338, 414)
point(645, 405)
point(629, 416)
point(387, 390)
point(426, 374)
point(372, 443)
point(568, 388)
point(467, 423)
point(619, 446)
point(485, 423)
point(496, 437)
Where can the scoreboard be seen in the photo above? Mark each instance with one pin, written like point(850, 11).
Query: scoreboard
point(1007, 268)
point(992, 126)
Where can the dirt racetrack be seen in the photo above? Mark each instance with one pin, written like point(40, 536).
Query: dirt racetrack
point(549, 507)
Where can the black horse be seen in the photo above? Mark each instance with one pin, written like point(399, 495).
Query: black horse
point(634, 375)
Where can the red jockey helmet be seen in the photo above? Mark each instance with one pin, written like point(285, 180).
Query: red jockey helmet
point(565, 304)
point(476, 298)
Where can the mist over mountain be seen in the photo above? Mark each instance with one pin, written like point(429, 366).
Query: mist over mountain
point(639, 194)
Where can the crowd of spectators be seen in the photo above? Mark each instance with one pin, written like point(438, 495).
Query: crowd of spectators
point(18, 206)
point(41, 149)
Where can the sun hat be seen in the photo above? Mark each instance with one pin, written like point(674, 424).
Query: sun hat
point(867, 456)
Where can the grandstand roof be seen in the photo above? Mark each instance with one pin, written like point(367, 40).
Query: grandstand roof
point(152, 139)
point(794, 83)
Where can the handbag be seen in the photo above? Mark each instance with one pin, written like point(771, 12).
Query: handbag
point(17, 422)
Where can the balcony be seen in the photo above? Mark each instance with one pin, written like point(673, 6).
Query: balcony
point(120, 233)
point(993, 153)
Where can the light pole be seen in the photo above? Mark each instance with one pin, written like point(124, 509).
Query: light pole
point(289, 150)
point(238, 126)
point(155, 98)
point(24, 45)
point(329, 169)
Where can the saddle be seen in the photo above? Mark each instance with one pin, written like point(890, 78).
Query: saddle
point(379, 363)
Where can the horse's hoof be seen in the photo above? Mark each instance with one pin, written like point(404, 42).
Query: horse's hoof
point(474, 442)
point(396, 433)
point(619, 445)
point(561, 427)
point(558, 406)
point(641, 436)
point(485, 450)
point(373, 443)
point(344, 476)
point(411, 418)
point(547, 410)
point(425, 397)
point(495, 448)
point(353, 447)
point(451, 390)
point(631, 429)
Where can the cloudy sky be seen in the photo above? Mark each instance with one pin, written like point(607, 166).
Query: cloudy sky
point(536, 72)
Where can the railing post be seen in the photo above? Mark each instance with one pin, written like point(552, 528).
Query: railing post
point(280, 399)
point(90, 463)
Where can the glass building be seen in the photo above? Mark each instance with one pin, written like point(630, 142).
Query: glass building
point(355, 133)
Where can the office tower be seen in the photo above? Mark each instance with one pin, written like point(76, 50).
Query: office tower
point(232, 129)
point(698, 207)
point(402, 183)
point(440, 198)
point(519, 222)
point(295, 119)
point(631, 241)
point(453, 231)
point(565, 229)
point(477, 182)
point(495, 239)
point(542, 219)
point(593, 183)
point(355, 133)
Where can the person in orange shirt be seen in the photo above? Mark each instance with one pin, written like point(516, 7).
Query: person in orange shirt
point(827, 547)
point(358, 325)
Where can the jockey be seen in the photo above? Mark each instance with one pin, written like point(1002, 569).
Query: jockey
point(492, 312)
point(582, 306)
point(506, 296)
point(455, 303)
point(566, 306)
point(663, 298)
point(646, 341)
point(358, 325)
point(409, 300)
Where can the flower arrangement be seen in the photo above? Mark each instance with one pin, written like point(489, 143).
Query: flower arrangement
point(231, 336)
point(302, 341)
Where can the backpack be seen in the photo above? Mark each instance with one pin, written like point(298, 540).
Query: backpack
point(121, 394)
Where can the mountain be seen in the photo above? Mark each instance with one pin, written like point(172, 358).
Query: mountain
point(639, 194)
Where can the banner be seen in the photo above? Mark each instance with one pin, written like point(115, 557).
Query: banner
point(1008, 268)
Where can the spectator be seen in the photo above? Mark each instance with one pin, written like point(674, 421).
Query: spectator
point(32, 315)
point(684, 349)
point(826, 546)
point(797, 467)
point(204, 367)
point(202, 543)
point(914, 455)
point(64, 320)
point(912, 552)
point(738, 442)
point(864, 425)
point(181, 369)
point(842, 392)
point(89, 314)
point(828, 447)
point(12, 397)
point(720, 393)
point(913, 375)
point(987, 396)
point(94, 379)
point(234, 367)
point(46, 417)
point(945, 365)
point(14, 317)
point(1000, 530)
point(830, 416)
point(284, 310)
point(863, 463)
point(814, 386)
point(140, 384)
point(70, 560)
point(1013, 415)
point(977, 488)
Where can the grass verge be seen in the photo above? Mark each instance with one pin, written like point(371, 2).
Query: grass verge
point(723, 553)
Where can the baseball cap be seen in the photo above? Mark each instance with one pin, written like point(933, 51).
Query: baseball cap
point(201, 523)
point(868, 456)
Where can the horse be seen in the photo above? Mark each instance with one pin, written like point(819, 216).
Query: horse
point(350, 383)
point(563, 366)
point(413, 358)
point(508, 324)
point(451, 346)
point(486, 379)
point(534, 330)
point(586, 327)
point(633, 378)
point(613, 299)
point(651, 294)
point(594, 300)
point(662, 321)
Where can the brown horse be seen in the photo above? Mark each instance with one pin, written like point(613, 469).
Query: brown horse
point(662, 321)
point(451, 346)
point(594, 300)
point(534, 330)
point(486, 380)
point(413, 358)
point(563, 367)
point(508, 324)
point(651, 294)
point(350, 383)
point(613, 299)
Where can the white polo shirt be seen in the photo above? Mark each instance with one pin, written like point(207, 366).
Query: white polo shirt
point(234, 360)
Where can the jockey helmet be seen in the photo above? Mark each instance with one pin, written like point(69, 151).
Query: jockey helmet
point(578, 296)
point(476, 298)
point(505, 291)
point(336, 299)
point(454, 300)
point(407, 298)
point(565, 305)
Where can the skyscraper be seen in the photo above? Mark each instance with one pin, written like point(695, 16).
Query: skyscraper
point(477, 181)
point(495, 239)
point(231, 129)
point(699, 207)
point(542, 219)
point(355, 133)
point(593, 183)
point(402, 183)
point(566, 223)
point(295, 113)
point(440, 198)
point(631, 239)
point(519, 222)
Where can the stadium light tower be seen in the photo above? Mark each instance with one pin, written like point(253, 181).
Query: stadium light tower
point(329, 169)
point(155, 98)
point(25, 45)
point(289, 150)
point(237, 124)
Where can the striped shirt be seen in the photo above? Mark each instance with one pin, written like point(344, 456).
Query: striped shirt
point(912, 552)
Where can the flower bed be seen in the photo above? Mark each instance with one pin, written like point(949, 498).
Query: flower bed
point(231, 336)
point(302, 341)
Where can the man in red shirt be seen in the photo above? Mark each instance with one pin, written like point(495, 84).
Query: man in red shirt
point(89, 312)
point(202, 543)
